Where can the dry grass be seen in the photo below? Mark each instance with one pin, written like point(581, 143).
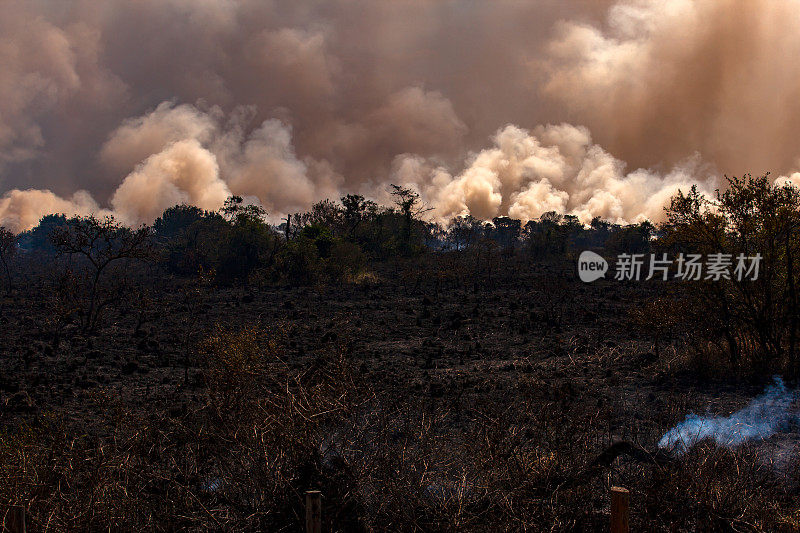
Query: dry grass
point(266, 431)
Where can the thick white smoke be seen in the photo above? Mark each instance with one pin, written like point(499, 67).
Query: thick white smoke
point(180, 154)
point(183, 173)
point(140, 137)
point(760, 419)
point(793, 180)
point(552, 168)
point(268, 168)
point(22, 209)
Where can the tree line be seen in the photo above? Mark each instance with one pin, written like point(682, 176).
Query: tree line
point(754, 323)
point(334, 239)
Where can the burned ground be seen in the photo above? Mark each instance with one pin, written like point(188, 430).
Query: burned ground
point(413, 400)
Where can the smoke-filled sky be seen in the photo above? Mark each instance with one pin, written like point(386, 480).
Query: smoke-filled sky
point(486, 107)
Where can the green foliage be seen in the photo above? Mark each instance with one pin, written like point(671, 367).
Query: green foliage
point(299, 262)
point(195, 249)
point(339, 238)
point(314, 252)
point(38, 238)
point(232, 244)
point(757, 318)
point(321, 236)
point(324, 213)
point(247, 244)
point(356, 210)
point(176, 220)
point(346, 260)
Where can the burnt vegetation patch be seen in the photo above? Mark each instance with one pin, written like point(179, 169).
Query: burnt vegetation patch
point(204, 372)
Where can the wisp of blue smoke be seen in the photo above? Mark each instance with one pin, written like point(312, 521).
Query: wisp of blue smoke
point(762, 417)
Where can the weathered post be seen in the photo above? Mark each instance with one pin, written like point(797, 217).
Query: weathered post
point(313, 511)
point(620, 512)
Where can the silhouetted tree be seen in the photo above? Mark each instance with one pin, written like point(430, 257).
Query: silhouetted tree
point(435, 235)
point(346, 260)
point(299, 261)
point(324, 213)
point(551, 217)
point(8, 247)
point(631, 239)
point(38, 238)
point(546, 237)
point(506, 231)
point(410, 207)
point(194, 249)
point(464, 231)
point(235, 210)
point(176, 220)
point(247, 244)
point(356, 210)
point(102, 242)
point(601, 229)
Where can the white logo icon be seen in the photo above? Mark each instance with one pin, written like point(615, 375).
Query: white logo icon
point(591, 266)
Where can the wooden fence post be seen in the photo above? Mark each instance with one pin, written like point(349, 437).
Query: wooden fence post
point(313, 511)
point(620, 512)
point(15, 519)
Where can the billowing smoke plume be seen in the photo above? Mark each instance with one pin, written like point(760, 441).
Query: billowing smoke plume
point(184, 173)
point(552, 168)
point(760, 419)
point(661, 79)
point(152, 102)
point(23, 209)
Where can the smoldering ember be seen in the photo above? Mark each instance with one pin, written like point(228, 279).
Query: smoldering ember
point(365, 265)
